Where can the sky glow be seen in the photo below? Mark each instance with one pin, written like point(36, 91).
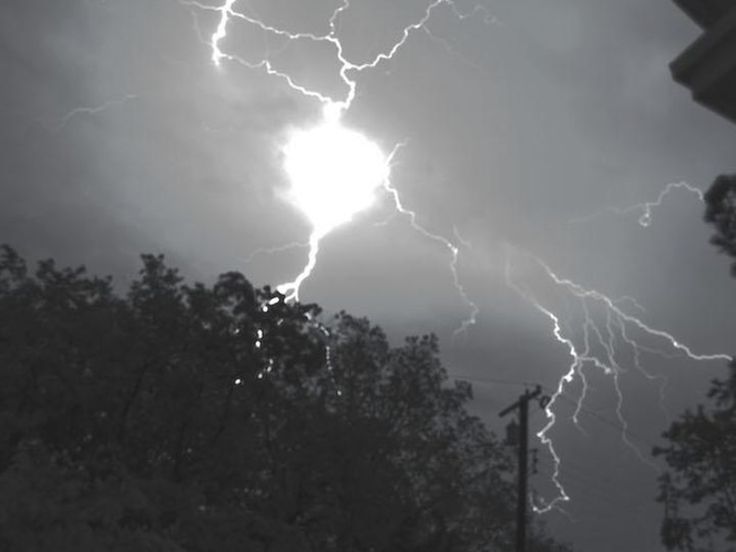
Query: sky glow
point(537, 163)
point(334, 173)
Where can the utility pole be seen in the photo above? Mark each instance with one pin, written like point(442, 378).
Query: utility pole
point(523, 441)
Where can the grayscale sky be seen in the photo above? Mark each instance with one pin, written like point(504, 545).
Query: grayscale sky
point(119, 136)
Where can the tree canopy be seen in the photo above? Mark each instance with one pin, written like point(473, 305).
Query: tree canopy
point(183, 417)
point(720, 211)
point(699, 489)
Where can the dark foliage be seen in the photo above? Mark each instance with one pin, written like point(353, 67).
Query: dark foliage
point(214, 419)
point(720, 211)
point(699, 490)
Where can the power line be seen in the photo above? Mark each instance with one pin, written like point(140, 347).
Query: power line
point(496, 381)
point(522, 405)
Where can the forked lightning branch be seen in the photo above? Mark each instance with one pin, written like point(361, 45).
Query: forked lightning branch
point(336, 172)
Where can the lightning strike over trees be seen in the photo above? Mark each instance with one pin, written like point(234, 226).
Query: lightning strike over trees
point(334, 171)
point(144, 422)
point(155, 413)
point(334, 174)
point(606, 333)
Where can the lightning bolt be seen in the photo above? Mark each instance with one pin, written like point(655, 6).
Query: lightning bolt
point(63, 121)
point(645, 209)
point(291, 289)
point(582, 293)
point(227, 12)
point(273, 250)
point(607, 328)
point(481, 12)
point(568, 377)
point(598, 348)
point(632, 301)
point(451, 247)
point(334, 108)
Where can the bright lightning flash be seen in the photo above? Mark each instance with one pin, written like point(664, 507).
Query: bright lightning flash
point(600, 345)
point(335, 173)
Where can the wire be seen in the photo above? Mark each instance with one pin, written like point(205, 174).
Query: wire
point(493, 381)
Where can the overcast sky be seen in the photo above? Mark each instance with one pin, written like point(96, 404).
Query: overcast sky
point(119, 136)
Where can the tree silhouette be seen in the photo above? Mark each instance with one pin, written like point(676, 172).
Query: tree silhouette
point(699, 490)
point(200, 418)
point(720, 211)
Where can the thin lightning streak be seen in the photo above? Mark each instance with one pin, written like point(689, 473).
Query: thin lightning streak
point(291, 289)
point(632, 301)
point(568, 377)
point(334, 108)
point(625, 424)
point(454, 251)
point(450, 49)
point(581, 292)
point(610, 346)
point(274, 250)
point(63, 121)
point(646, 218)
point(581, 400)
point(616, 324)
point(217, 56)
point(221, 32)
point(605, 341)
point(346, 66)
point(637, 350)
point(227, 12)
point(387, 220)
point(462, 241)
point(488, 17)
point(645, 208)
point(594, 338)
point(336, 14)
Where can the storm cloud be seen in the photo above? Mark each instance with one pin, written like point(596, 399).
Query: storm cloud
point(119, 136)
